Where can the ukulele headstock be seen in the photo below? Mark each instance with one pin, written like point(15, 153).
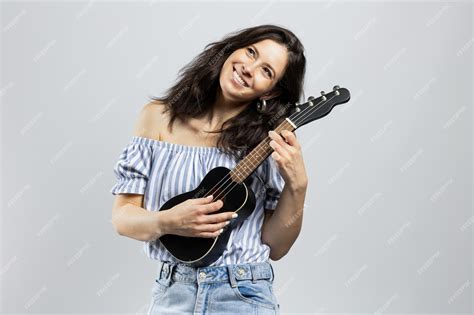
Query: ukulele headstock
point(316, 108)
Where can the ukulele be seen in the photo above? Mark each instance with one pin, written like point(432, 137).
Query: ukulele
point(233, 186)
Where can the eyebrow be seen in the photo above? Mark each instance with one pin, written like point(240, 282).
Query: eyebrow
point(258, 54)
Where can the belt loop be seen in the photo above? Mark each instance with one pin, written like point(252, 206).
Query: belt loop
point(160, 269)
point(272, 276)
point(254, 273)
point(230, 271)
point(171, 268)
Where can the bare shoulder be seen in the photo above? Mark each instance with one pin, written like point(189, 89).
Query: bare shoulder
point(151, 120)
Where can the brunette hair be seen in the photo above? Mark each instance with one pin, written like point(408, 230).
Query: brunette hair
point(195, 90)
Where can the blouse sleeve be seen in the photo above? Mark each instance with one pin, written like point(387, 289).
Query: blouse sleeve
point(274, 183)
point(133, 168)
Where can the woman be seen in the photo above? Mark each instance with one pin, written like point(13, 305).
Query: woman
point(225, 102)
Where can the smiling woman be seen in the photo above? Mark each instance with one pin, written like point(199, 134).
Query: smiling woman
point(258, 76)
point(228, 98)
point(268, 59)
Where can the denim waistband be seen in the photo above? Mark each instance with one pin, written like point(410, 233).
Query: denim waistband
point(231, 273)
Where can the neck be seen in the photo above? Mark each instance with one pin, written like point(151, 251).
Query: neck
point(222, 110)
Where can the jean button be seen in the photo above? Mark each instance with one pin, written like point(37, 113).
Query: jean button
point(241, 271)
point(202, 275)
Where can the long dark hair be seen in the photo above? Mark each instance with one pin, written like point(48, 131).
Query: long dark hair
point(195, 90)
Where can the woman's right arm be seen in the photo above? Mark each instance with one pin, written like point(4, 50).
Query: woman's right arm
point(131, 220)
point(190, 218)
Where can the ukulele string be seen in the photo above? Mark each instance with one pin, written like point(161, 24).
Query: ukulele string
point(297, 118)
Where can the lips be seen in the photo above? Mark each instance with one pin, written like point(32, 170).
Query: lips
point(240, 76)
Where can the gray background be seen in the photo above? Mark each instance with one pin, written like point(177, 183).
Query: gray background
point(388, 222)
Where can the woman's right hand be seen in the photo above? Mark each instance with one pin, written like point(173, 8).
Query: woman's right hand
point(192, 218)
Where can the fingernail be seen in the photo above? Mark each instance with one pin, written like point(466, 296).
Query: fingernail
point(209, 196)
point(235, 215)
point(227, 223)
point(221, 230)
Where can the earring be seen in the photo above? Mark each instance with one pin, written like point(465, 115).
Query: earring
point(261, 106)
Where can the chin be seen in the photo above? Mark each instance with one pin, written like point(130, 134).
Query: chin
point(230, 92)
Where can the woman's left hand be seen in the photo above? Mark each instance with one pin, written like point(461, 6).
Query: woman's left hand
point(289, 158)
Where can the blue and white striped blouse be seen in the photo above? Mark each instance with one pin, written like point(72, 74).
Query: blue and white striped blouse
point(161, 170)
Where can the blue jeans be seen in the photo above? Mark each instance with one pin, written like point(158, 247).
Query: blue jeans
point(233, 289)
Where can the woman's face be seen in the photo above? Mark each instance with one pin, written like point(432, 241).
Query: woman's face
point(251, 71)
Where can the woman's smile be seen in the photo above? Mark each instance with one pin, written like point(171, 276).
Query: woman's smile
point(237, 79)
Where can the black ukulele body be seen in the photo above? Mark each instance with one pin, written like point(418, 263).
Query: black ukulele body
point(237, 197)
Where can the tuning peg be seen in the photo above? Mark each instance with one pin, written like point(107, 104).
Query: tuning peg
point(323, 95)
point(336, 87)
point(297, 104)
point(310, 98)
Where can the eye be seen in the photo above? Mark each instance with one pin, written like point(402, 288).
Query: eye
point(269, 72)
point(266, 69)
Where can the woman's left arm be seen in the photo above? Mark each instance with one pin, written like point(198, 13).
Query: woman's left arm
point(280, 230)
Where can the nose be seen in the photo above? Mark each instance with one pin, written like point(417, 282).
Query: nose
point(247, 70)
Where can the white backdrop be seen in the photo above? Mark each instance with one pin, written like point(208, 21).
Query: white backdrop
point(388, 220)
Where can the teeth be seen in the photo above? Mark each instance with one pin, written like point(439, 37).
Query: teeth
point(239, 78)
point(241, 81)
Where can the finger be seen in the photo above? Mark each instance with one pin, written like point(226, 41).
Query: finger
point(276, 137)
point(279, 145)
point(282, 151)
point(290, 138)
point(209, 234)
point(212, 227)
point(213, 206)
point(202, 201)
point(219, 217)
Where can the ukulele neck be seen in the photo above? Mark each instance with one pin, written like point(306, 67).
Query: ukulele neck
point(249, 163)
